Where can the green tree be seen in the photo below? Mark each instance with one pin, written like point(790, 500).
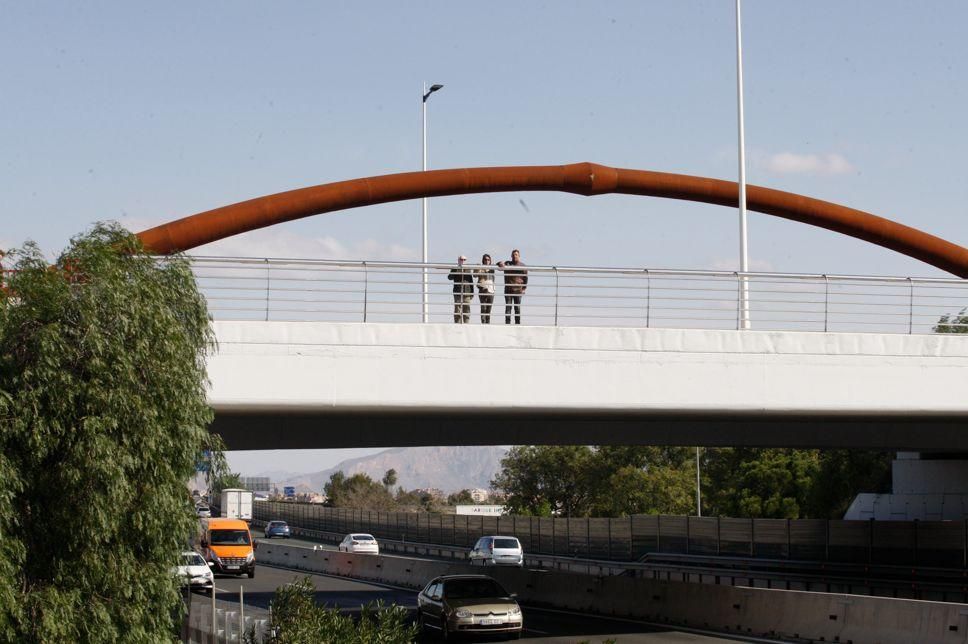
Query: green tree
point(103, 419)
point(358, 491)
point(460, 498)
point(220, 477)
point(753, 482)
point(642, 480)
point(296, 618)
point(539, 479)
point(658, 489)
point(843, 474)
point(390, 478)
point(953, 323)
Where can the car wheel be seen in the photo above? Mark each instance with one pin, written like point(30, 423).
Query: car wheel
point(252, 574)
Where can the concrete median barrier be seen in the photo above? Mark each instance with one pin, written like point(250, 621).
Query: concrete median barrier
point(782, 614)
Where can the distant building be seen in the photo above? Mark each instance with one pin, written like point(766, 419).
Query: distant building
point(480, 495)
point(433, 492)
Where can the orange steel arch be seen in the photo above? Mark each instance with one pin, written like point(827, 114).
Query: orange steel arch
point(579, 178)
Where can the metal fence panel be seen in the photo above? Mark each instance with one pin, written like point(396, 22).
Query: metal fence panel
point(923, 543)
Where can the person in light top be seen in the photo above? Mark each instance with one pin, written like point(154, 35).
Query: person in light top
point(485, 288)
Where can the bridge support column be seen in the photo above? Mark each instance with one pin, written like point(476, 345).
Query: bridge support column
point(926, 486)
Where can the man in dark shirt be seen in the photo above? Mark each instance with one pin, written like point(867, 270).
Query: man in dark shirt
point(463, 280)
point(515, 284)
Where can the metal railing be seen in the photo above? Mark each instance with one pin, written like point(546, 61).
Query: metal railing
point(343, 291)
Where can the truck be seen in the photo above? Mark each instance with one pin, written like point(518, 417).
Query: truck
point(237, 504)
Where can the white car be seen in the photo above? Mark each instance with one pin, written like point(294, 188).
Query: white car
point(360, 543)
point(497, 551)
point(203, 512)
point(194, 570)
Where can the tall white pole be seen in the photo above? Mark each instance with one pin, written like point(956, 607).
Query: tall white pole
point(698, 488)
point(423, 103)
point(744, 303)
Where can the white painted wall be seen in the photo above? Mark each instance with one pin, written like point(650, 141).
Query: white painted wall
point(309, 366)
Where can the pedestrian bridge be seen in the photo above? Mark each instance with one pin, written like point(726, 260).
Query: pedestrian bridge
point(325, 355)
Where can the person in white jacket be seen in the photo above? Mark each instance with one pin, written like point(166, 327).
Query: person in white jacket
point(485, 288)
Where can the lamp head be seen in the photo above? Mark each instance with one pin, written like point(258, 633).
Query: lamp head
point(433, 88)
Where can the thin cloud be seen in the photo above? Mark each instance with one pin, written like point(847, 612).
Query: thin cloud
point(271, 243)
point(814, 164)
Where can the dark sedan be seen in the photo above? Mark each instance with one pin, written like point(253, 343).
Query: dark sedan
point(277, 529)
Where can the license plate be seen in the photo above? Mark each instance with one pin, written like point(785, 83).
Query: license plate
point(231, 567)
point(487, 622)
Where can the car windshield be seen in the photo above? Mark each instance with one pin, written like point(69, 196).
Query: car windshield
point(193, 560)
point(471, 588)
point(230, 537)
point(362, 537)
point(506, 543)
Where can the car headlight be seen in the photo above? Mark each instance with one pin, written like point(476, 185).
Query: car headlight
point(463, 612)
point(249, 557)
point(514, 611)
point(211, 553)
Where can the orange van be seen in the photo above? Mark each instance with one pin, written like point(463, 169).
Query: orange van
point(227, 546)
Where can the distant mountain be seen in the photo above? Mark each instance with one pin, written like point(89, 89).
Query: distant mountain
point(448, 468)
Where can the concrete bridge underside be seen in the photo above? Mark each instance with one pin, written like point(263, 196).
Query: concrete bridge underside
point(288, 385)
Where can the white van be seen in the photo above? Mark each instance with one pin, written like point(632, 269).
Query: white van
point(497, 551)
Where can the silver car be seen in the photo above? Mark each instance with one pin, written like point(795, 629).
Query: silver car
point(497, 551)
point(462, 604)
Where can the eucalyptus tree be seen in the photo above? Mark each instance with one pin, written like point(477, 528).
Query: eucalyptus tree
point(103, 419)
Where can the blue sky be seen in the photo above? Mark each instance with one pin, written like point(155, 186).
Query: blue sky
point(144, 112)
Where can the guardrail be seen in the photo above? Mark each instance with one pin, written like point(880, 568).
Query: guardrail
point(343, 291)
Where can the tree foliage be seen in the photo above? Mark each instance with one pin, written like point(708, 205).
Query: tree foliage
point(543, 479)
point(298, 619)
point(461, 498)
point(358, 491)
point(613, 481)
point(749, 482)
point(389, 478)
point(957, 323)
point(103, 417)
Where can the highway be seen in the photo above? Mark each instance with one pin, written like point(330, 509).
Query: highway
point(541, 625)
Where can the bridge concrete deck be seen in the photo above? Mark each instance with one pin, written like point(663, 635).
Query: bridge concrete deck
point(281, 385)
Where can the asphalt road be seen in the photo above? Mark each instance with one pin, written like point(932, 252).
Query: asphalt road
point(348, 595)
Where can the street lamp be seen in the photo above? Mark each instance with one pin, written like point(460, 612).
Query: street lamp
point(744, 304)
point(426, 94)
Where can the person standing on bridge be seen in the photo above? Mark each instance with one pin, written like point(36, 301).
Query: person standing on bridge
point(463, 291)
point(485, 288)
point(515, 284)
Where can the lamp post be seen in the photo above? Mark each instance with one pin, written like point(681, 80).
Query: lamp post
point(744, 313)
point(698, 487)
point(426, 94)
